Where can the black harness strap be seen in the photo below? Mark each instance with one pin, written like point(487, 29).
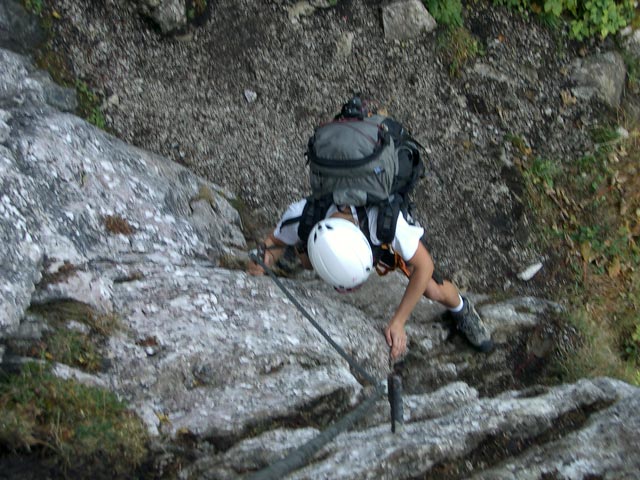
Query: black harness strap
point(315, 209)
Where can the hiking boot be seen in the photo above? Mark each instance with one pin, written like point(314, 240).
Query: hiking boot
point(470, 324)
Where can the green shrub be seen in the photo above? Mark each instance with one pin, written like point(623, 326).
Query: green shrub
point(445, 12)
point(593, 17)
point(588, 211)
point(587, 18)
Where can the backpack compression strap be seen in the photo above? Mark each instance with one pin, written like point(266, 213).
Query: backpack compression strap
point(380, 143)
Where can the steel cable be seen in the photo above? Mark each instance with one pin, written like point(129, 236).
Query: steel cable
point(301, 456)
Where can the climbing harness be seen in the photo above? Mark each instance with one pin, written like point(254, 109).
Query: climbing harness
point(388, 261)
point(303, 454)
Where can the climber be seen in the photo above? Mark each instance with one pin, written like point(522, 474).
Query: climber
point(359, 218)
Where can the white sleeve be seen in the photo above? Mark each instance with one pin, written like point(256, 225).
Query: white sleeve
point(407, 238)
point(288, 234)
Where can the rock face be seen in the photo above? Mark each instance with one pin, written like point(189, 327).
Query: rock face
point(64, 183)
point(227, 360)
point(452, 446)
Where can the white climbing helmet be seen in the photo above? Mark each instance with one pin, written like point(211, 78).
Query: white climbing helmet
point(340, 253)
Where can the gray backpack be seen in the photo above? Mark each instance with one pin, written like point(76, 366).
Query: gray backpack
point(353, 159)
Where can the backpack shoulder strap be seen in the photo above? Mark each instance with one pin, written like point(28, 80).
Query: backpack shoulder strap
point(388, 218)
point(314, 210)
point(381, 253)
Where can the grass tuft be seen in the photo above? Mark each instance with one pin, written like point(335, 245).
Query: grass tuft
point(61, 311)
point(70, 426)
point(458, 46)
point(73, 336)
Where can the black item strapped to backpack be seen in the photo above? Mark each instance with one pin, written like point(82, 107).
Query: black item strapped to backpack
point(361, 159)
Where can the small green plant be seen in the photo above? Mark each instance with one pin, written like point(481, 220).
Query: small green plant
point(33, 6)
point(604, 134)
point(632, 346)
point(593, 355)
point(552, 22)
point(459, 47)
point(72, 348)
point(195, 8)
point(89, 105)
point(633, 71)
point(445, 12)
point(543, 171)
point(58, 66)
point(74, 426)
point(519, 143)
